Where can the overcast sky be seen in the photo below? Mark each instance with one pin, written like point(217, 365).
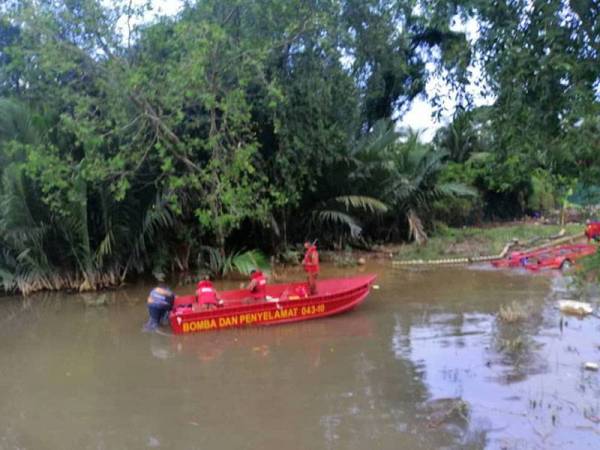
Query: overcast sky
point(421, 115)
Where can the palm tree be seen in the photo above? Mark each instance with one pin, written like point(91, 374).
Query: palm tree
point(339, 215)
point(22, 234)
point(414, 185)
point(402, 173)
point(16, 124)
point(92, 241)
point(459, 138)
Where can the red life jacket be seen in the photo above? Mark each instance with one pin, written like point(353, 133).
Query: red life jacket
point(206, 293)
point(301, 291)
point(260, 289)
point(309, 266)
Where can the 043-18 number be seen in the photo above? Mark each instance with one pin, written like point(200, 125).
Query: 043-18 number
point(312, 309)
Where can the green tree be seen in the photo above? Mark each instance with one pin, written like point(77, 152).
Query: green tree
point(540, 61)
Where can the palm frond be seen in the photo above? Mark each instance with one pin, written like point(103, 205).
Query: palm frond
point(14, 200)
point(8, 267)
point(8, 281)
point(334, 217)
point(457, 190)
point(16, 123)
point(220, 264)
point(362, 202)
point(157, 217)
point(381, 136)
point(402, 189)
point(250, 260)
point(22, 235)
point(430, 163)
point(105, 247)
point(213, 260)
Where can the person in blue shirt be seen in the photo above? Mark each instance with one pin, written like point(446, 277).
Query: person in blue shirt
point(160, 302)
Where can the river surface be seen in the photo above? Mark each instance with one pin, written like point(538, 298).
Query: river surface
point(425, 363)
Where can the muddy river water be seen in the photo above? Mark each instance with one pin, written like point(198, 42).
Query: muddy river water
point(425, 362)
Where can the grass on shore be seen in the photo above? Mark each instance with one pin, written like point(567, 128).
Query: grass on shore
point(473, 241)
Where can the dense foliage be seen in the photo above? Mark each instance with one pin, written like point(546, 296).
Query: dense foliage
point(540, 136)
point(131, 146)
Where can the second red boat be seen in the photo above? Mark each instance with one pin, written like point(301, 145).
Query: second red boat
point(558, 257)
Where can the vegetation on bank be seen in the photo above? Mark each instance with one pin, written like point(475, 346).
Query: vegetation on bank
point(482, 241)
point(132, 147)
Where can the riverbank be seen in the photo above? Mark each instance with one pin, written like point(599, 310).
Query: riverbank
point(443, 243)
point(481, 241)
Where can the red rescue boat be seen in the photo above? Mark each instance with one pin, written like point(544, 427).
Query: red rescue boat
point(562, 257)
point(285, 303)
point(557, 257)
point(515, 259)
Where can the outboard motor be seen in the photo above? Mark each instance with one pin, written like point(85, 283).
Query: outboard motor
point(160, 302)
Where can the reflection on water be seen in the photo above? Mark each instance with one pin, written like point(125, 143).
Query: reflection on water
point(523, 382)
point(424, 363)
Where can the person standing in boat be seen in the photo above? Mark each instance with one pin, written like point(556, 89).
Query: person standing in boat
point(257, 285)
point(206, 295)
point(159, 302)
point(311, 266)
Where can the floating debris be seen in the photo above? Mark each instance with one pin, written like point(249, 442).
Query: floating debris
point(575, 307)
point(444, 411)
point(513, 312)
point(591, 366)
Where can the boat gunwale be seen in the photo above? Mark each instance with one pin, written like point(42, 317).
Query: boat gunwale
point(348, 299)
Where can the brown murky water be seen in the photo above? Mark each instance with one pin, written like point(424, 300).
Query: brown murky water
point(423, 363)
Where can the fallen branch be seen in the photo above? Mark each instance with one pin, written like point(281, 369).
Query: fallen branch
point(463, 260)
point(555, 240)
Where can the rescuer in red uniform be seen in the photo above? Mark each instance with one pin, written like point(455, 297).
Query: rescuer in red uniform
point(206, 295)
point(311, 266)
point(257, 285)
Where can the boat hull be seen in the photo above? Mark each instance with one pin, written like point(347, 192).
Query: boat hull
point(334, 297)
point(547, 257)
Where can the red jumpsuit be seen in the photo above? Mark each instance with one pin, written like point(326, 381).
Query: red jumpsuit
point(259, 289)
point(311, 260)
point(311, 267)
point(206, 293)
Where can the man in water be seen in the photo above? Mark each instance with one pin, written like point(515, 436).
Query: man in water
point(311, 266)
point(160, 302)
